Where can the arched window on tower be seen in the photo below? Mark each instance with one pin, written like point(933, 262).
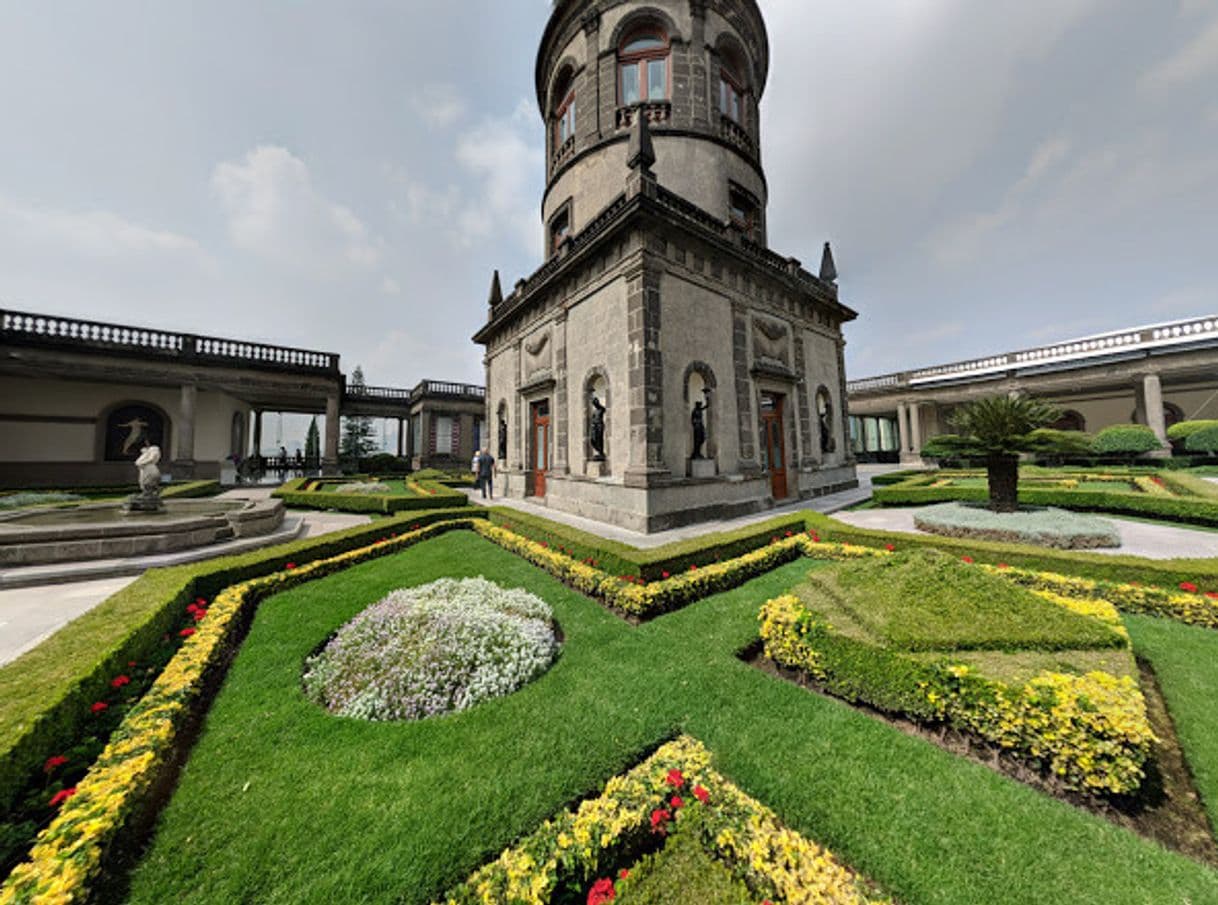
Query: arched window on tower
point(732, 90)
point(642, 65)
point(564, 111)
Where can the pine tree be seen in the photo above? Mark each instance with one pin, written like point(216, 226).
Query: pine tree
point(312, 449)
point(357, 441)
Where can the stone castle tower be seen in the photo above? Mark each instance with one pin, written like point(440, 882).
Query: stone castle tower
point(663, 366)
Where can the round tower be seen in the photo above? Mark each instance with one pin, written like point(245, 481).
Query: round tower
point(695, 69)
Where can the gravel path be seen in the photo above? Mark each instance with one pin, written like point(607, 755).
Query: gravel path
point(1137, 538)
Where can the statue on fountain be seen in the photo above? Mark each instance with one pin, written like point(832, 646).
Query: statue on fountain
point(149, 497)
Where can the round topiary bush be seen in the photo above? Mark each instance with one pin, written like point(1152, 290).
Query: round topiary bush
point(1203, 441)
point(434, 649)
point(1182, 430)
point(1125, 440)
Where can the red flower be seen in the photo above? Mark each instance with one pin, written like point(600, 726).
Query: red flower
point(192, 608)
point(701, 794)
point(693, 568)
point(544, 544)
point(889, 547)
point(675, 778)
point(967, 559)
point(1212, 595)
point(120, 681)
point(789, 534)
point(289, 566)
point(52, 762)
point(61, 796)
point(1188, 586)
point(663, 574)
point(659, 817)
point(677, 802)
point(200, 601)
point(131, 664)
point(186, 632)
point(773, 540)
point(623, 874)
point(99, 706)
point(1003, 565)
point(414, 527)
point(602, 891)
point(199, 614)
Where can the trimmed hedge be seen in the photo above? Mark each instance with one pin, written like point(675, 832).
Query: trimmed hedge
point(1168, 573)
point(45, 694)
point(1204, 441)
point(295, 493)
point(1125, 440)
point(620, 559)
point(1182, 430)
point(1192, 511)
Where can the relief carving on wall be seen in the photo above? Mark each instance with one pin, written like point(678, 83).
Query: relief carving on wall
point(771, 342)
point(538, 354)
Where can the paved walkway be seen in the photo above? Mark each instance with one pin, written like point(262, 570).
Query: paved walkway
point(1137, 538)
point(28, 615)
point(826, 504)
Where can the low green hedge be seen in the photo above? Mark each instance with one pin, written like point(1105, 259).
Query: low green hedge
point(296, 493)
point(174, 490)
point(1192, 510)
point(1166, 573)
point(648, 564)
point(45, 694)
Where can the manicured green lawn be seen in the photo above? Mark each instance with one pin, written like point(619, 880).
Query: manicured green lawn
point(281, 802)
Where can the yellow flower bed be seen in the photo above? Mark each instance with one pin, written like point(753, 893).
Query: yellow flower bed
point(68, 854)
point(581, 846)
point(1090, 731)
point(1149, 485)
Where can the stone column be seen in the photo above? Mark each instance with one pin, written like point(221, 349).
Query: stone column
point(257, 450)
point(329, 452)
point(1152, 402)
point(903, 430)
point(401, 428)
point(562, 429)
point(645, 388)
point(184, 462)
point(915, 429)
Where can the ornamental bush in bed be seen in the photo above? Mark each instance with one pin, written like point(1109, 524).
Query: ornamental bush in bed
point(433, 649)
point(1041, 527)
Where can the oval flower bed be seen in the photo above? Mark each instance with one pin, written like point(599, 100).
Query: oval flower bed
point(1043, 527)
point(434, 649)
point(364, 487)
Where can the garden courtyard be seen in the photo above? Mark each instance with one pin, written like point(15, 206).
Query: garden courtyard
point(796, 707)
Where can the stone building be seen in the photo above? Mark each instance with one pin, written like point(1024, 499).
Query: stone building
point(1155, 375)
point(660, 294)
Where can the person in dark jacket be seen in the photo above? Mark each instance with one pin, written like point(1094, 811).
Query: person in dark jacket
point(486, 474)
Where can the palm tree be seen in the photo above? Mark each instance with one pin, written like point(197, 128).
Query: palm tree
point(997, 430)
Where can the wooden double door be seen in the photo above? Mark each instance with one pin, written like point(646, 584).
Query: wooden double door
point(539, 445)
point(773, 443)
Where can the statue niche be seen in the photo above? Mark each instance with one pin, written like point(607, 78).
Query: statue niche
point(699, 386)
point(596, 394)
point(129, 428)
point(824, 418)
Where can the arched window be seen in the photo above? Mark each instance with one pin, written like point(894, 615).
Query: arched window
point(1070, 420)
point(642, 66)
point(732, 89)
point(564, 110)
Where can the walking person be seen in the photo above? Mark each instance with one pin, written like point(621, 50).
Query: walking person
point(486, 474)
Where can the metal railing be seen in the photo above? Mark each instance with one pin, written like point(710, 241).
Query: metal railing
point(1139, 339)
point(44, 329)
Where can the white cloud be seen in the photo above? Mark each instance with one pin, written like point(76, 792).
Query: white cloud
point(274, 211)
point(1197, 58)
point(439, 104)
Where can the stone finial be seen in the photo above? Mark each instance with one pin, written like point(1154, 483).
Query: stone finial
point(641, 153)
point(496, 296)
point(828, 269)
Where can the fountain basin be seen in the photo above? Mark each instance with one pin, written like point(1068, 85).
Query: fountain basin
point(104, 531)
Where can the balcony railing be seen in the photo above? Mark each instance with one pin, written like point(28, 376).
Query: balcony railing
point(1075, 352)
point(736, 134)
point(42, 329)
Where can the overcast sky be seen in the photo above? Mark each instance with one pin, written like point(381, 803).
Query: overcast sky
point(346, 175)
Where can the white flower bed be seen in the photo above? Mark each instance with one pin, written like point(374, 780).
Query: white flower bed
point(369, 487)
point(434, 649)
point(17, 500)
point(1042, 527)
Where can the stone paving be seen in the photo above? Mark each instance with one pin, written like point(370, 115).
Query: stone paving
point(28, 615)
point(1137, 538)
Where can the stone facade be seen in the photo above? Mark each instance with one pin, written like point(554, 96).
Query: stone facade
point(658, 296)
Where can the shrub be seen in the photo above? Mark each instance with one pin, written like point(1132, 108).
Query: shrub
point(1204, 440)
point(1041, 527)
point(1182, 430)
point(434, 649)
point(1129, 440)
point(384, 463)
point(34, 498)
